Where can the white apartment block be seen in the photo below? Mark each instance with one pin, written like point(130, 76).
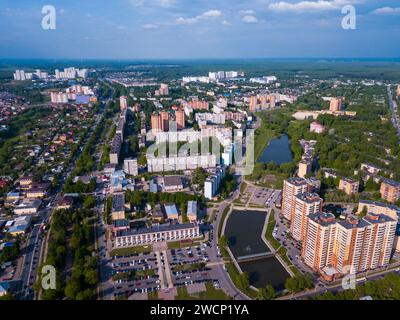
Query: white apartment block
point(177, 163)
point(160, 233)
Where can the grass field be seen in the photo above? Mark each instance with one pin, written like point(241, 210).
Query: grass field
point(210, 294)
point(131, 250)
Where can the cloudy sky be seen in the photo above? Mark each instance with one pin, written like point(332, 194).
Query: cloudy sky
point(154, 29)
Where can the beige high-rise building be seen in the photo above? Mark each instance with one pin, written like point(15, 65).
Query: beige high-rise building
point(164, 89)
point(398, 90)
point(390, 190)
point(155, 123)
point(335, 248)
point(335, 104)
point(164, 121)
point(291, 188)
point(253, 103)
point(318, 242)
point(123, 103)
point(305, 204)
point(180, 119)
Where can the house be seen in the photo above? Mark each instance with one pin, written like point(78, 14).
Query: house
point(25, 182)
point(65, 203)
point(171, 211)
point(172, 183)
point(19, 225)
point(120, 225)
point(192, 211)
point(38, 190)
point(28, 206)
point(349, 186)
point(118, 206)
point(158, 214)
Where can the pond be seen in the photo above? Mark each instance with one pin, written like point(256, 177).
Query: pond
point(243, 230)
point(278, 150)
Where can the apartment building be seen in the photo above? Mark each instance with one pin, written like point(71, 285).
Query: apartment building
point(349, 186)
point(335, 105)
point(335, 248)
point(390, 190)
point(291, 188)
point(305, 204)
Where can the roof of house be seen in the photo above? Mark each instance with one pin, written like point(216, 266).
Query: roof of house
point(171, 181)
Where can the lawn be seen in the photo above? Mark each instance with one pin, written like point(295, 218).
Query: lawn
point(179, 245)
point(210, 294)
point(131, 250)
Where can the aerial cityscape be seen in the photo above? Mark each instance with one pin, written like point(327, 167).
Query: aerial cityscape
point(198, 178)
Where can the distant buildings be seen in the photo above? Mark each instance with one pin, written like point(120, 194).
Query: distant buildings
point(349, 186)
point(335, 105)
point(317, 128)
point(177, 163)
point(163, 91)
point(390, 190)
point(264, 80)
point(378, 208)
point(198, 104)
point(398, 90)
point(164, 121)
point(335, 248)
point(123, 103)
point(180, 119)
point(158, 233)
point(263, 101)
point(155, 123)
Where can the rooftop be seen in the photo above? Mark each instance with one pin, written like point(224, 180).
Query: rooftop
point(156, 228)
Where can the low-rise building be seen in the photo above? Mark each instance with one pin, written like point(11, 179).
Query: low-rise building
point(349, 186)
point(118, 206)
point(192, 211)
point(390, 190)
point(157, 233)
point(28, 206)
point(172, 183)
point(171, 211)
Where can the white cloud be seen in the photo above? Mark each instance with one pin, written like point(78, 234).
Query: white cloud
point(250, 19)
point(311, 6)
point(226, 23)
point(150, 26)
point(210, 14)
point(205, 15)
point(247, 12)
point(152, 3)
point(387, 10)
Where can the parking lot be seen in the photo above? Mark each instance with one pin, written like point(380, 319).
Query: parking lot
point(140, 274)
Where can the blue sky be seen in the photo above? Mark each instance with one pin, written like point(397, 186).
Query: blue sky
point(175, 29)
